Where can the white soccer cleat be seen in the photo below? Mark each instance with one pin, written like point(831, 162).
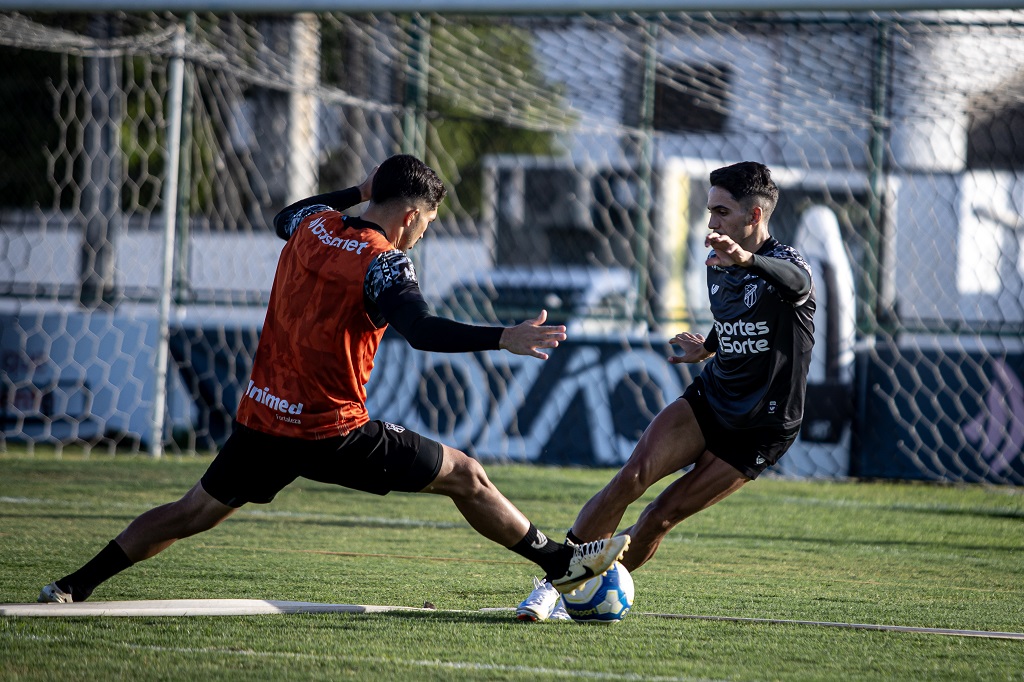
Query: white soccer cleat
point(51, 594)
point(544, 603)
point(560, 613)
point(591, 559)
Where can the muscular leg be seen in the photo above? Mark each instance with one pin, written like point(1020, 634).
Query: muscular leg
point(673, 440)
point(154, 531)
point(491, 514)
point(149, 534)
point(486, 509)
point(710, 480)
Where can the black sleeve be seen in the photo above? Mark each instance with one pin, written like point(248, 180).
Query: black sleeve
point(404, 309)
point(792, 281)
point(285, 222)
point(711, 341)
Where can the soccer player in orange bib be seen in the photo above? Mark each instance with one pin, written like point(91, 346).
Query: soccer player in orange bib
point(340, 281)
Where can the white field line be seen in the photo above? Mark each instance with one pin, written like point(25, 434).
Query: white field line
point(1012, 512)
point(189, 607)
point(850, 626)
point(247, 607)
point(571, 673)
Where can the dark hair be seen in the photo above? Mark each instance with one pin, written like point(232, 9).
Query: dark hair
point(405, 177)
point(748, 182)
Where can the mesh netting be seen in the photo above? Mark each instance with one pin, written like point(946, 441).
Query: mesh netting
point(577, 150)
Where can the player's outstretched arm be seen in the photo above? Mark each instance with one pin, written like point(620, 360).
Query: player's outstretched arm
point(691, 347)
point(403, 307)
point(526, 338)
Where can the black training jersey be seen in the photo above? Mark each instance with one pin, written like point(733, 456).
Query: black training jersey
point(762, 339)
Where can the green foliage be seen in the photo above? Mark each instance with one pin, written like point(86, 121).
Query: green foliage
point(487, 101)
point(896, 554)
point(143, 135)
point(27, 127)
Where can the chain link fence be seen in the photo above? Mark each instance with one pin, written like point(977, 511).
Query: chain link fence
point(145, 154)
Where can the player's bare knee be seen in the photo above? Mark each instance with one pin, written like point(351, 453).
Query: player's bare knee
point(465, 478)
point(192, 516)
point(474, 478)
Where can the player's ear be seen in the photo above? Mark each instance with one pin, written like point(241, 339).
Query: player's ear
point(410, 216)
point(756, 212)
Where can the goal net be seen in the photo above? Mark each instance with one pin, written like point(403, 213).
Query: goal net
point(145, 155)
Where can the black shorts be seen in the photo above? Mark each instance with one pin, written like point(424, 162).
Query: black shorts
point(378, 458)
point(750, 451)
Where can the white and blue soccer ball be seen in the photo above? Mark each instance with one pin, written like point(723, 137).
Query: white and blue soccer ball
point(604, 599)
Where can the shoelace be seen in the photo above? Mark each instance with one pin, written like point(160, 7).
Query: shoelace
point(587, 550)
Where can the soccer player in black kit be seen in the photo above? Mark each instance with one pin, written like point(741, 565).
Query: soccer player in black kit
point(743, 411)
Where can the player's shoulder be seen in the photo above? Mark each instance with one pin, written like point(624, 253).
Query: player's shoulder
point(312, 209)
point(292, 220)
point(388, 268)
point(776, 249)
point(391, 258)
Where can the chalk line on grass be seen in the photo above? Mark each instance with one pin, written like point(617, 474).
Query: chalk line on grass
point(252, 607)
point(849, 626)
point(190, 607)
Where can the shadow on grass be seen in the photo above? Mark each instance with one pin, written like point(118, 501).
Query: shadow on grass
point(760, 538)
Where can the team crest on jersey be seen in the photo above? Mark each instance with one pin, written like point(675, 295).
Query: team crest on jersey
point(750, 294)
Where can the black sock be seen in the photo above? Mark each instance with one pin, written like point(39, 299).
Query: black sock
point(571, 538)
point(109, 562)
point(553, 557)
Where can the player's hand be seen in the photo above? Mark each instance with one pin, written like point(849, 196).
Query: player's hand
point(692, 347)
point(726, 251)
point(527, 337)
point(366, 186)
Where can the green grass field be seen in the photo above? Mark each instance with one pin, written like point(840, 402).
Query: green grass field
point(873, 553)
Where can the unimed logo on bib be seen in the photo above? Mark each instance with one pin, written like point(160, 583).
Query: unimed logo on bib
point(264, 396)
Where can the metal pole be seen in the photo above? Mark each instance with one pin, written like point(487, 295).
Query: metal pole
point(414, 125)
point(304, 74)
point(181, 238)
point(645, 162)
point(170, 201)
point(872, 307)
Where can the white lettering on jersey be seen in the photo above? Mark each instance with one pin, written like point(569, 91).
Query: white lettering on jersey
point(739, 337)
point(264, 397)
point(316, 226)
point(742, 328)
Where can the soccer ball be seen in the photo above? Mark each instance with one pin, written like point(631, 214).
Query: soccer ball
point(604, 599)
